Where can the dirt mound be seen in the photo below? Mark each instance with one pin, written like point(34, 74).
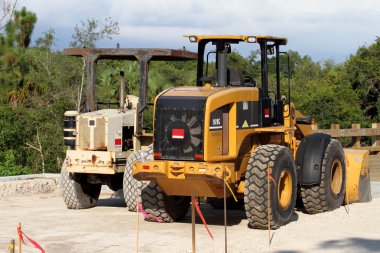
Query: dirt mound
point(28, 185)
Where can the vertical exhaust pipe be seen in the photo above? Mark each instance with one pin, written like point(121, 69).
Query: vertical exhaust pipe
point(222, 50)
point(122, 90)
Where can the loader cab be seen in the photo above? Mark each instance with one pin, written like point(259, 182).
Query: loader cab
point(219, 74)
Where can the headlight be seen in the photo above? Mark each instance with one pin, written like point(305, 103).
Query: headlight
point(251, 39)
point(193, 38)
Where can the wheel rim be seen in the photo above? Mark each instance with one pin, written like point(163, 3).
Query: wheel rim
point(285, 189)
point(336, 177)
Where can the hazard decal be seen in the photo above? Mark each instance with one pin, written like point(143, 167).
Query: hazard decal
point(247, 115)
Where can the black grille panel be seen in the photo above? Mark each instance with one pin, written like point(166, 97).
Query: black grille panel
point(178, 127)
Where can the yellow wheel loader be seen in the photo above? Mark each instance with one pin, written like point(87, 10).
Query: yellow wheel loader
point(228, 129)
point(100, 140)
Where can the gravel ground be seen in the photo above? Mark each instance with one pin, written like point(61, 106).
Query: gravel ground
point(109, 227)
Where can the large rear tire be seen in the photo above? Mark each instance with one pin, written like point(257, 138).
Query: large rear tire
point(282, 192)
point(76, 191)
point(329, 194)
point(167, 208)
point(132, 187)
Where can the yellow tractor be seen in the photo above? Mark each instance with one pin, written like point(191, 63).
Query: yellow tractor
point(226, 129)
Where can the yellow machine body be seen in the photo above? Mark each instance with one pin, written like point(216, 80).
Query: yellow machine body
point(358, 187)
point(229, 139)
point(225, 151)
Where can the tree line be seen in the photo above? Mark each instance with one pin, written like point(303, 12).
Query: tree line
point(38, 84)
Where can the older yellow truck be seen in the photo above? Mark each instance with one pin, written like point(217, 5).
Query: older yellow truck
point(99, 140)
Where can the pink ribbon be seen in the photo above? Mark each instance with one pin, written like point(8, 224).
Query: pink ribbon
point(35, 244)
point(146, 215)
point(201, 216)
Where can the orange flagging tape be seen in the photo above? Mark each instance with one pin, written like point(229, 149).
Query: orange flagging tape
point(146, 215)
point(35, 244)
point(201, 216)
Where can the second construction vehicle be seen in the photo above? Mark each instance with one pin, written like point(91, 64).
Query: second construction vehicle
point(227, 129)
point(100, 140)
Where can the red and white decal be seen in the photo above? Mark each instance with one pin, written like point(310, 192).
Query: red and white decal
point(118, 136)
point(178, 133)
point(266, 113)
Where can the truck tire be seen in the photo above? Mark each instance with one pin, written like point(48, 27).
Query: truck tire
point(166, 208)
point(329, 194)
point(283, 192)
point(132, 187)
point(76, 191)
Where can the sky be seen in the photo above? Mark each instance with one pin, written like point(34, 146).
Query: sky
point(322, 29)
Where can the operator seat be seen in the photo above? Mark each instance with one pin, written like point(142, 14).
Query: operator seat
point(131, 102)
point(234, 77)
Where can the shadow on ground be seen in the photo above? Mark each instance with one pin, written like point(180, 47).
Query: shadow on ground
point(216, 216)
point(111, 199)
point(111, 202)
point(353, 244)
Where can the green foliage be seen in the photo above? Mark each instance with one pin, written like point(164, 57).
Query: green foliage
point(47, 41)
point(362, 70)
point(9, 164)
point(37, 85)
point(18, 31)
point(92, 31)
point(162, 75)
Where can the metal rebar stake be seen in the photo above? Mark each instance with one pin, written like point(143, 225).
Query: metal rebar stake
point(193, 223)
point(225, 211)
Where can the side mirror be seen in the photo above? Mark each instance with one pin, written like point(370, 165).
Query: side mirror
point(228, 46)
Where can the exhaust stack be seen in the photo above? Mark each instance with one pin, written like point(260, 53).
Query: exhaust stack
point(122, 90)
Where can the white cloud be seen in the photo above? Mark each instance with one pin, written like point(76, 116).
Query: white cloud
point(321, 28)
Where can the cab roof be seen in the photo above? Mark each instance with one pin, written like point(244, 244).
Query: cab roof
point(133, 54)
point(244, 38)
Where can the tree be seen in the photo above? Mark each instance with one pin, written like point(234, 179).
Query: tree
point(363, 72)
point(47, 41)
point(19, 29)
point(92, 31)
point(7, 9)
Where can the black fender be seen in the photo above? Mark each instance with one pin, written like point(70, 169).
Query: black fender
point(309, 158)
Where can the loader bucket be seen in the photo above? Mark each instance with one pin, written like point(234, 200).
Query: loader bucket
point(358, 186)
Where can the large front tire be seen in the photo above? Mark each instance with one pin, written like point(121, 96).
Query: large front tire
point(76, 191)
point(132, 187)
point(166, 208)
point(282, 191)
point(329, 194)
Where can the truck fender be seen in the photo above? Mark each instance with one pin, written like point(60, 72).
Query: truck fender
point(309, 158)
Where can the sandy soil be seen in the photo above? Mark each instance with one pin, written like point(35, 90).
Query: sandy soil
point(109, 227)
